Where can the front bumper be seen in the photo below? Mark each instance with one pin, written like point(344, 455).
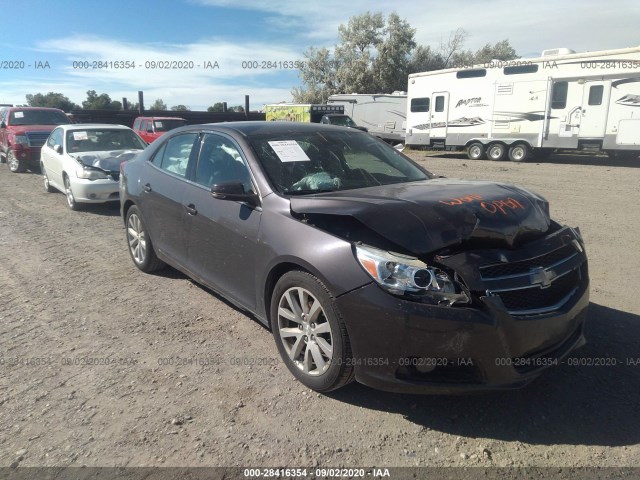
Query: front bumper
point(94, 191)
point(30, 155)
point(405, 346)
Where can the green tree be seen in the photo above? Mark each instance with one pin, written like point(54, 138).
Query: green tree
point(376, 54)
point(100, 102)
point(180, 108)
point(216, 107)
point(51, 100)
point(158, 105)
point(237, 108)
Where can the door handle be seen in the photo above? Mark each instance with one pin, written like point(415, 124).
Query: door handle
point(147, 187)
point(191, 209)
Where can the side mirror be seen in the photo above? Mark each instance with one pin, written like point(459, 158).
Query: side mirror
point(57, 149)
point(233, 191)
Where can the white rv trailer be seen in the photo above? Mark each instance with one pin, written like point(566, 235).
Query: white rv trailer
point(562, 100)
point(384, 115)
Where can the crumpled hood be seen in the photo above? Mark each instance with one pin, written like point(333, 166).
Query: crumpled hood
point(106, 160)
point(426, 216)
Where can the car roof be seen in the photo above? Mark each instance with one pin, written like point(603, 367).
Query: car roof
point(250, 128)
point(160, 118)
point(92, 126)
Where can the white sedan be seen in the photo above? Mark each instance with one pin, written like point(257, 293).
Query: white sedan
point(83, 161)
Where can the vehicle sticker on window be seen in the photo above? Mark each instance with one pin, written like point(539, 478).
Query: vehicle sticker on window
point(19, 114)
point(289, 151)
point(80, 135)
point(158, 124)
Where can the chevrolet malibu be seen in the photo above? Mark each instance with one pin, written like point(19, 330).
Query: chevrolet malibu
point(364, 265)
point(83, 161)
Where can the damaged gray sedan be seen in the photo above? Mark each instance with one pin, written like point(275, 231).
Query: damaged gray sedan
point(83, 161)
point(364, 265)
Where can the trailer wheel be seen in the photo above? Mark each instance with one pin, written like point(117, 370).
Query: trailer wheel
point(475, 151)
point(496, 151)
point(519, 152)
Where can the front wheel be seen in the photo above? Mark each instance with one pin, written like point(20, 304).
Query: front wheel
point(475, 151)
point(45, 179)
point(309, 332)
point(140, 247)
point(15, 164)
point(71, 200)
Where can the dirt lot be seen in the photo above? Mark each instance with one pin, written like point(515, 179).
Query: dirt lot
point(184, 379)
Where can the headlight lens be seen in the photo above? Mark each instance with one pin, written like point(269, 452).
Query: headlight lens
point(21, 140)
point(90, 174)
point(409, 276)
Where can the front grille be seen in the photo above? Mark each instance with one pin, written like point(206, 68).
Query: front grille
point(525, 266)
point(525, 300)
point(37, 139)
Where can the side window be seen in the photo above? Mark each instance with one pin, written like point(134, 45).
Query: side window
point(176, 153)
point(136, 124)
point(55, 138)
point(220, 161)
point(439, 103)
point(559, 95)
point(420, 104)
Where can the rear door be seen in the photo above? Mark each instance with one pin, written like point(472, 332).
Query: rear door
point(164, 185)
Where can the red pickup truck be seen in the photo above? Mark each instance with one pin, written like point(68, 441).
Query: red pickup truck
point(151, 128)
point(23, 131)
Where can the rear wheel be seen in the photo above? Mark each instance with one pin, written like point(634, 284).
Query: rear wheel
point(519, 152)
point(140, 247)
point(15, 164)
point(309, 332)
point(496, 151)
point(475, 151)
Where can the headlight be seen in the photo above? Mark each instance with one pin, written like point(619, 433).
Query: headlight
point(21, 140)
point(90, 174)
point(409, 276)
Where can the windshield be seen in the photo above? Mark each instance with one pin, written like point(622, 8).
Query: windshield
point(342, 120)
point(165, 125)
point(104, 139)
point(38, 117)
point(312, 162)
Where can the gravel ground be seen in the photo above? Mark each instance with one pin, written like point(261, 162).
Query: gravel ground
point(102, 365)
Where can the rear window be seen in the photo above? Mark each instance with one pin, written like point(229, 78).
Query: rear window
point(38, 117)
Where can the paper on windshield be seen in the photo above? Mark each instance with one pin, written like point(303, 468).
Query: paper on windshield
point(82, 135)
point(289, 151)
point(19, 114)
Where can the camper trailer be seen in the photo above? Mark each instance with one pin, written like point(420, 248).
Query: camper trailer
point(518, 108)
point(384, 115)
point(299, 112)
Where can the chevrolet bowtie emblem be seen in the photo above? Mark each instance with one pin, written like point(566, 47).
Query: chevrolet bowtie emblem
point(541, 276)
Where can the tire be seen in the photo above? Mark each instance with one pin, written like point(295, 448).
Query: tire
point(140, 246)
point(519, 152)
point(47, 186)
point(475, 151)
point(15, 164)
point(315, 347)
point(496, 152)
point(68, 193)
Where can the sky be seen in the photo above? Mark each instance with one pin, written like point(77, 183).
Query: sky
point(218, 41)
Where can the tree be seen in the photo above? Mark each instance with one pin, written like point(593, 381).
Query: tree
point(100, 102)
point(158, 105)
point(180, 108)
point(216, 107)
point(376, 54)
point(237, 108)
point(51, 100)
